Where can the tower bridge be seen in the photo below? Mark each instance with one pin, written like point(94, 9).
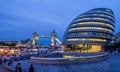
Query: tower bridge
point(35, 37)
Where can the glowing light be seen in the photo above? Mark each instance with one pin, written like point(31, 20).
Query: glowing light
point(65, 56)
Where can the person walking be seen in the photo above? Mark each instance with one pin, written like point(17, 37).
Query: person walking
point(31, 69)
point(18, 68)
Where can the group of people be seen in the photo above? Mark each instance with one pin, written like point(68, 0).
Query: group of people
point(19, 69)
point(3, 60)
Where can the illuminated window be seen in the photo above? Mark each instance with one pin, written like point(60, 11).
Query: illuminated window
point(103, 15)
point(92, 48)
point(92, 28)
point(98, 23)
point(103, 19)
point(107, 12)
point(87, 39)
point(106, 16)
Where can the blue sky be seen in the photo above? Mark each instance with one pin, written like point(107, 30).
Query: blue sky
point(20, 18)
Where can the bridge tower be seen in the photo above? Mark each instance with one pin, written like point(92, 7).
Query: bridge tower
point(53, 40)
point(35, 40)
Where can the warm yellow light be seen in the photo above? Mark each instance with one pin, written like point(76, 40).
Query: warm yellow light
point(12, 51)
point(95, 18)
point(34, 49)
point(103, 15)
point(93, 48)
point(65, 56)
point(1, 50)
point(94, 28)
point(87, 39)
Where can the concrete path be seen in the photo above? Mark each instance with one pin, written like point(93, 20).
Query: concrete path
point(0, 69)
point(110, 65)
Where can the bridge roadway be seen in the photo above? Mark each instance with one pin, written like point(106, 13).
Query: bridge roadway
point(110, 65)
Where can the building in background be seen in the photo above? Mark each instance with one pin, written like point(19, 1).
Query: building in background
point(90, 31)
point(115, 38)
point(8, 44)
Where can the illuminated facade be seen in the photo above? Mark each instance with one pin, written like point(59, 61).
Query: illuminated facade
point(90, 31)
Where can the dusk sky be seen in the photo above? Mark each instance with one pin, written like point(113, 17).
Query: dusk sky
point(20, 18)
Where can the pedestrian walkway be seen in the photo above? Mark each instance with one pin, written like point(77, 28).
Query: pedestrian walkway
point(110, 65)
point(0, 69)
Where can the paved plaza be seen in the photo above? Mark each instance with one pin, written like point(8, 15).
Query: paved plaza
point(0, 69)
point(110, 65)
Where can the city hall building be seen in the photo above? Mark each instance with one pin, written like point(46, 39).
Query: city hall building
point(90, 31)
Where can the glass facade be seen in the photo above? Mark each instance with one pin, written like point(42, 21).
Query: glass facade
point(90, 31)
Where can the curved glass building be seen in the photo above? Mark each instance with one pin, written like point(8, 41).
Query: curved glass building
point(90, 31)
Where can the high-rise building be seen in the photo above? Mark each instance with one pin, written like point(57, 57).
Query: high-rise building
point(90, 31)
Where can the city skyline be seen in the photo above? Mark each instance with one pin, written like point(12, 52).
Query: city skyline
point(19, 18)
